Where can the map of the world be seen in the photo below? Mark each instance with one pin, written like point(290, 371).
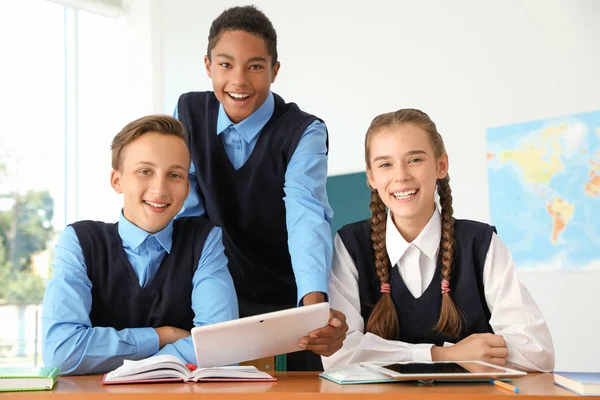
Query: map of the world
point(544, 183)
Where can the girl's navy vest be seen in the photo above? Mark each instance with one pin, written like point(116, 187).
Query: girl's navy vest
point(248, 203)
point(417, 317)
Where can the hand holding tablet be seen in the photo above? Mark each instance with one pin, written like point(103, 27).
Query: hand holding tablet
point(259, 336)
point(327, 339)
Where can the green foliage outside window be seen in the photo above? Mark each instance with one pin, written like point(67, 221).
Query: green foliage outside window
point(25, 229)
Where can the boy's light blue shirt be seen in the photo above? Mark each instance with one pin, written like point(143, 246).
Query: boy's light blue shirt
point(308, 214)
point(69, 340)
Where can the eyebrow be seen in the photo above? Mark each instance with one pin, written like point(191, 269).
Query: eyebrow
point(232, 58)
point(227, 56)
point(410, 153)
point(254, 59)
point(151, 164)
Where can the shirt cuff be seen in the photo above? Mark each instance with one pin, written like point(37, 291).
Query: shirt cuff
point(422, 352)
point(309, 285)
point(146, 341)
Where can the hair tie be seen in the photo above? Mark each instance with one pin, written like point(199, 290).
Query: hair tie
point(385, 288)
point(445, 286)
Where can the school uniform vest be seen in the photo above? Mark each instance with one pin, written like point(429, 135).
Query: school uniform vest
point(118, 300)
point(417, 317)
point(248, 203)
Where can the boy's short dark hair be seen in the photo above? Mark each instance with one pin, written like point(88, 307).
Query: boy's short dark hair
point(163, 124)
point(248, 19)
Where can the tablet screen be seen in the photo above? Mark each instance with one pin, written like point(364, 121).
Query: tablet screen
point(442, 368)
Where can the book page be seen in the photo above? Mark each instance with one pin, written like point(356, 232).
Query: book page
point(240, 372)
point(163, 366)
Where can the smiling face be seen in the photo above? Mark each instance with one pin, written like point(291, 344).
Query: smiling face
point(153, 178)
point(242, 72)
point(403, 168)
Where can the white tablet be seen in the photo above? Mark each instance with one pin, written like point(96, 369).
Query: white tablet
point(259, 336)
point(442, 370)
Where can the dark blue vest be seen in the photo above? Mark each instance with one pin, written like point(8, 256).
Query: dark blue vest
point(418, 316)
point(118, 300)
point(248, 203)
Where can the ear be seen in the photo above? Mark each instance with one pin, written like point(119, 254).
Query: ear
point(207, 66)
point(275, 71)
point(115, 181)
point(442, 166)
point(370, 178)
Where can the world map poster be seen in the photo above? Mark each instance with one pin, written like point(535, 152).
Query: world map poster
point(544, 184)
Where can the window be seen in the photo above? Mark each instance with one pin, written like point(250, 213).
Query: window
point(66, 91)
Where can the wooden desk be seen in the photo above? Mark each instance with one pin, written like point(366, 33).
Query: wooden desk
point(295, 386)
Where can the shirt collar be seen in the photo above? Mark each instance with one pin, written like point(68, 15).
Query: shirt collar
point(253, 124)
point(134, 236)
point(427, 242)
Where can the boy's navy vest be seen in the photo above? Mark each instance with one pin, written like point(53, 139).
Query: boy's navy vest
point(118, 300)
point(248, 203)
point(417, 317)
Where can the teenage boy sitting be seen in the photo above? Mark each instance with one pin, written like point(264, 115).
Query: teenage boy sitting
point(131, 289)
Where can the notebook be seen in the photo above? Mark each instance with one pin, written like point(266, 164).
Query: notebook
point(15, 379)
point(168, 368)
point(583, 383)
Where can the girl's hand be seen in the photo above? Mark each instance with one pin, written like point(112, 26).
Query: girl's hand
point(480, 346)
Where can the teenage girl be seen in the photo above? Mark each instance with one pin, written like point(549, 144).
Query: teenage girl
point(417, 284)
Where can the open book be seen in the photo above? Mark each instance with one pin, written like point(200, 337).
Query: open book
point(168, 368)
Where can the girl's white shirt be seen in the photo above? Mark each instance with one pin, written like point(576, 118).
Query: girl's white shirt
point(514, 314)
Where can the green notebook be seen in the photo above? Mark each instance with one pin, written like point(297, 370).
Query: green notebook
point(15, 379)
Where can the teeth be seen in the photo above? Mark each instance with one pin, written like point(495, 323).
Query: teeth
point(155, 204)
point(404, 195)
point(239, 95)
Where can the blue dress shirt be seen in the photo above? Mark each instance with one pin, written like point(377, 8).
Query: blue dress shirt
point(308, 214)
point(69, 340)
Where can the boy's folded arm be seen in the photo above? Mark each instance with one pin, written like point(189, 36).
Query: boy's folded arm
point(183, 348)
point(82, 350)
point(69, 340)
point(308, 214)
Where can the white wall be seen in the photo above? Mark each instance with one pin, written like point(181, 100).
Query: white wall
point(116, 56)
point(469, 64)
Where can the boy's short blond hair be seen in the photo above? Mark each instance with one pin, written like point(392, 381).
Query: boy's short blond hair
point(163, 124)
